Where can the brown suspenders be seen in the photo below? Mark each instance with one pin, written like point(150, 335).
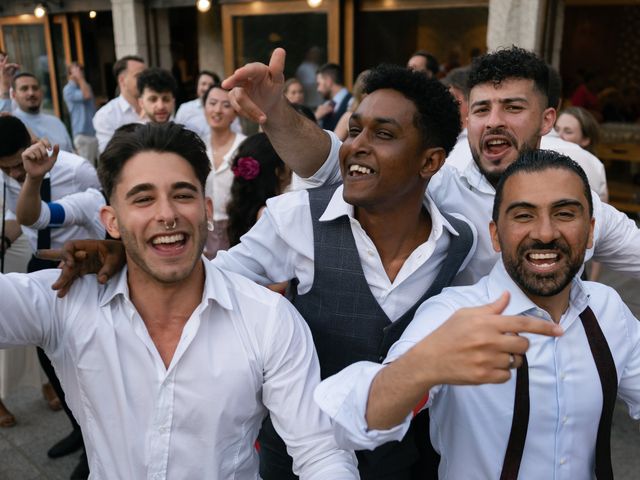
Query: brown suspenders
point(609, 381)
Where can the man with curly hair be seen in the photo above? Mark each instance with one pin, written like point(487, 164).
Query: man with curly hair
point(157, 99)
point(508, 113)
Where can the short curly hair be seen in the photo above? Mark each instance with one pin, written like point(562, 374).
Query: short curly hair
point(438, 116)
point(157, 79)
point(508, 63)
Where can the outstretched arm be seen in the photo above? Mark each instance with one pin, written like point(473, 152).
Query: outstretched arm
point(257, 94)
point(37, 163)
point(474, 346)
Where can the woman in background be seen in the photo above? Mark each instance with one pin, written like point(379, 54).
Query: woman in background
point(259, 174)
point(221, 144)
point(294, 91)
point(577, 125)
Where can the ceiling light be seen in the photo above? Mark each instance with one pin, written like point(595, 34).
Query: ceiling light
point(40, 10)
point(93, 14)
point(203, 5)
point(314, 3)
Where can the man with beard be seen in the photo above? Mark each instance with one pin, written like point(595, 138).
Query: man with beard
point(157, 98)
point(172, 367)
point(554, 415)
point(27, 93)
point(508, 113)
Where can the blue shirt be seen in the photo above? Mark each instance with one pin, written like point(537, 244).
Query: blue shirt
point(80, 109)
point(47, 126)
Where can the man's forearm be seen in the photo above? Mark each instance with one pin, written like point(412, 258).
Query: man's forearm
point(396, 390)
point(29, 201)
point(301, 143)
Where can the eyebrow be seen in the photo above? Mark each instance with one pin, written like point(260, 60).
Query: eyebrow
point(502, 100)
point(560, 203)
point(382, 120)
point(145, 187)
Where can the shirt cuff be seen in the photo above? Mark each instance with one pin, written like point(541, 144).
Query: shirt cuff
point(344, 398)
point(328, 173)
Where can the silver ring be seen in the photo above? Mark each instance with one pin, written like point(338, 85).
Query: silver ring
point(512, 361)
point(170, 227)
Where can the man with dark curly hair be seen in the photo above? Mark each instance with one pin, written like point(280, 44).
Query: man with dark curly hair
point(157, 99)
point(509, 112)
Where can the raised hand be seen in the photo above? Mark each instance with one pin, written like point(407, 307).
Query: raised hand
point(7, 72)
point(257, 88)
point(36, 159)
point(480, 345)
point(474, 346)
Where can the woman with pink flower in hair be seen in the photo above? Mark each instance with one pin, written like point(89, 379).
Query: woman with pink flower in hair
point(222, 142)
point(259, 174)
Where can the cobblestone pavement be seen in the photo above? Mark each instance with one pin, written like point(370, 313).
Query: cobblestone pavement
point(23, 448)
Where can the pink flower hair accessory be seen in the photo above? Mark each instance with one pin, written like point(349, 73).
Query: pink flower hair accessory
point(247, 168)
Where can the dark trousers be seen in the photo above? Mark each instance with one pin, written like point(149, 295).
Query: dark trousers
point(34, 265)
point(411, 459)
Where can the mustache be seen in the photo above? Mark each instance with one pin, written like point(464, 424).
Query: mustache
point(502, 132)
point(537, 245)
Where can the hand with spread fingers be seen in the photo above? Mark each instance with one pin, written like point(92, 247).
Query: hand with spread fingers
point(257, 88)
point(81, 257)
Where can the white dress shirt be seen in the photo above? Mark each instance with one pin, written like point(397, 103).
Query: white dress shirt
point(591, 165)
point(460, 155)
point(244, 352)
point(110, 117)
point(616, 240)
point(70, 174)
point(218, 186)
point(82, 209)
point(280, 247)
point(470, 425)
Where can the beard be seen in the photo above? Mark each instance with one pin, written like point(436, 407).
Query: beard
point(544, 285)
point(494, 176)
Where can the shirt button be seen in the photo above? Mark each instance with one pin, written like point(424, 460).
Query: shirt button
point(370, 252)
point(564, 419)
point(563, 376)
point(563, 461)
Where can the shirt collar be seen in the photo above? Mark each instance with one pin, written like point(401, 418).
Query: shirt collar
point(499, 281)
point(337, 207)
point(215, 287)
point(476, 179)
point(124, 105)
point(338, 97)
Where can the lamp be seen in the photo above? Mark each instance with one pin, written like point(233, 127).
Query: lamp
point(40, 10)
point(92, 14)
point(203, 5)
point(314, 3)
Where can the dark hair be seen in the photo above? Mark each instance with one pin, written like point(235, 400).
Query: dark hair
point(555, 88)
point(134, 138)
point(510, 63)
point(588, 124)
point(531, 161)
point(249, 196)
point(432, 62)
point(158, 80)
point(23, 75)
point(216, 78)
point(458, 78)
point(13, 135)
point(206, 94)
point(121, 64)
point(437, 117)
point(333, 71)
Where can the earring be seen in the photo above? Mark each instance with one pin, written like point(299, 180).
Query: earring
point(210, 225)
